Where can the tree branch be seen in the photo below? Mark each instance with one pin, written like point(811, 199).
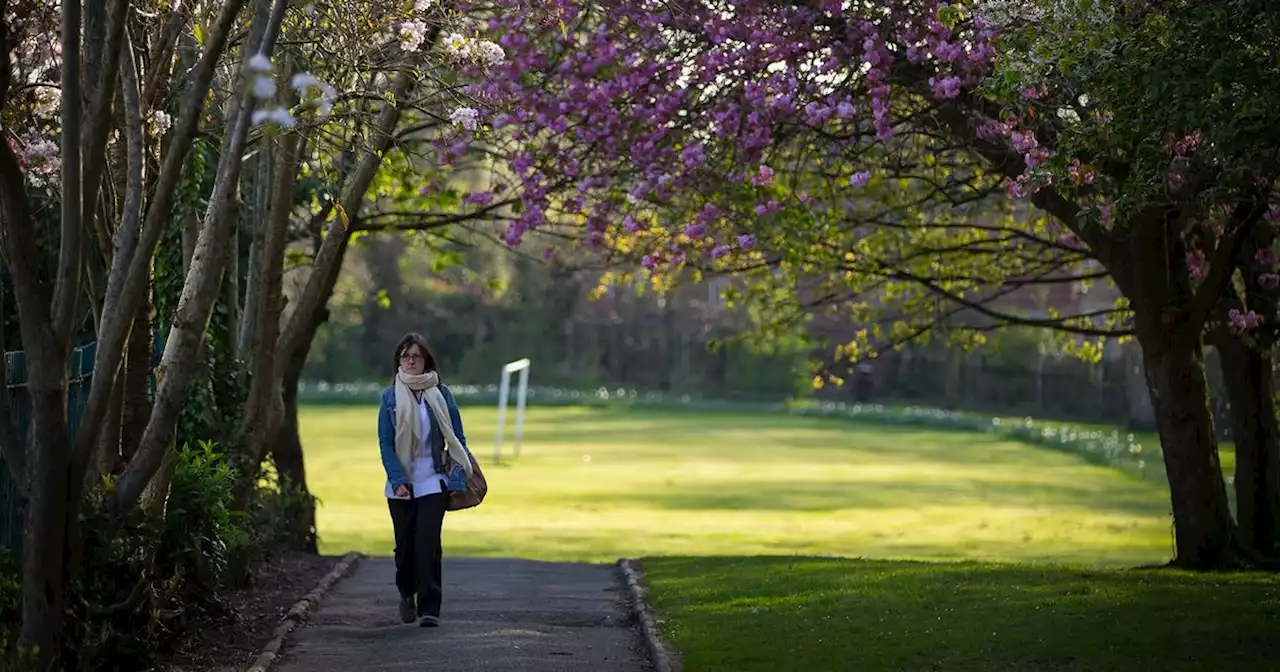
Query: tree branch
point(66, 291)
point(1222, 266)
point(94, 135)
point(130, 269)
point(425, 221)
point(313, 295)
point(21, 257)
point(182, 351)
point(979, 307)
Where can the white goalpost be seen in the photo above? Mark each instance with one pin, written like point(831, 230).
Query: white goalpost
point(504, 391)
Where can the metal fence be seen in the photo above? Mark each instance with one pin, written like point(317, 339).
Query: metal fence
point(80, 372)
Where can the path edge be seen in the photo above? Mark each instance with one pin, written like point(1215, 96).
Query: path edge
point(662, 660)
point(301, 610)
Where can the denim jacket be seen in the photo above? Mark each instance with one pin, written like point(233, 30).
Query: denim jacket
point(387, 434)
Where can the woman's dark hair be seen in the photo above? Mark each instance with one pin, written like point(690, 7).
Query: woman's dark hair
point(414, 338)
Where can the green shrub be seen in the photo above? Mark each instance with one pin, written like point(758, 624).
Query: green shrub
point(10, 603)
point(142, 580)
point(282, 511)
point(200, 525)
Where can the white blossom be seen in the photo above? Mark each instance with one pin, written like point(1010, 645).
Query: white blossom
point(258, 64)
point(457, 46)
point(278, 116)
point(412, 35)
point(1069, 115)
point(160, 123)
point(263, 88)
point(42, 160)
point(489, 53)
point(421, 6)
point(303, 81)
point(315, 93)
point(328, 96)
point(48, 101)
point(466, 117)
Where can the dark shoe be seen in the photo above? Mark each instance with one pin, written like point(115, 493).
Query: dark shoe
point(430, 622)
point(407, 609)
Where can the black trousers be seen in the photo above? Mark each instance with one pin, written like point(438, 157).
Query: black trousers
point(417, 524)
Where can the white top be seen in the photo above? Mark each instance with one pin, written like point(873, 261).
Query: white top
point(423, 473)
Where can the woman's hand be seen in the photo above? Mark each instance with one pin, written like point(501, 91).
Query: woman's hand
point(402, 491)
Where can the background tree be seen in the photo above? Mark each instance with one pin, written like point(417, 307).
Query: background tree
point(646, 105)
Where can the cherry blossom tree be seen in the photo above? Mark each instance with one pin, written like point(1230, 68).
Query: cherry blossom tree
point(677, 121)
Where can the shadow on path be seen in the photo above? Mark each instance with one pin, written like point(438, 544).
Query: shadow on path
point(499, 614)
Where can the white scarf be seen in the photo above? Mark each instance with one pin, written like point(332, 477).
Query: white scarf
point(409, 433)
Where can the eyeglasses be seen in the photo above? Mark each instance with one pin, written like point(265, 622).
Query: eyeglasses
point(410, 357)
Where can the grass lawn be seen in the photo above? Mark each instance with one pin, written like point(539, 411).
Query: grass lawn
point(746, 614)
point(595, 485)
point(730, 513)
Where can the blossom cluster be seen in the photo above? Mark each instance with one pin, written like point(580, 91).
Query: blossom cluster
point(40, 159)
point(672, 103)
point(314, 94)
point(461, 48)
point(34, 98)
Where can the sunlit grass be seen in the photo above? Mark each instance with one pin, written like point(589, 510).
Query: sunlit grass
point(597, 484)
point(745, 614)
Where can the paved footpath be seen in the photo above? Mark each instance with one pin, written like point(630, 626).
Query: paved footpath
point(499, 614)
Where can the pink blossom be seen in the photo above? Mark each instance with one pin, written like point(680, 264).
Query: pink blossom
point(764, 177)
point(1265, 257)
point(945, 88)
point(768, 207)
point(1197, 267)
point(1240, 323)
point(1184, 145)
point(1023, 141)
point(1269, 281)
point(1036, 156)
point(478, 198)
point(1081, 174)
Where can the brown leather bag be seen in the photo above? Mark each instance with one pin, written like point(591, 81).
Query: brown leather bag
point(477, 488)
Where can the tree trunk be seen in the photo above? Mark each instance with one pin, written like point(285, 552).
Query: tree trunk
point(107, 454)
point(263, 408)
point(134, 246)
point(136, 383)
point(194, 308)
point(1251, 392)
point(287, 452)
point(43, 585)
point(47, 455)
point(1203, 529)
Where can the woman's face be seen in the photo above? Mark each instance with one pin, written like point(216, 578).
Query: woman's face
point(411, 360)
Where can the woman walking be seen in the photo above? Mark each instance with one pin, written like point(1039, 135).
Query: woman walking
point(419, 428)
